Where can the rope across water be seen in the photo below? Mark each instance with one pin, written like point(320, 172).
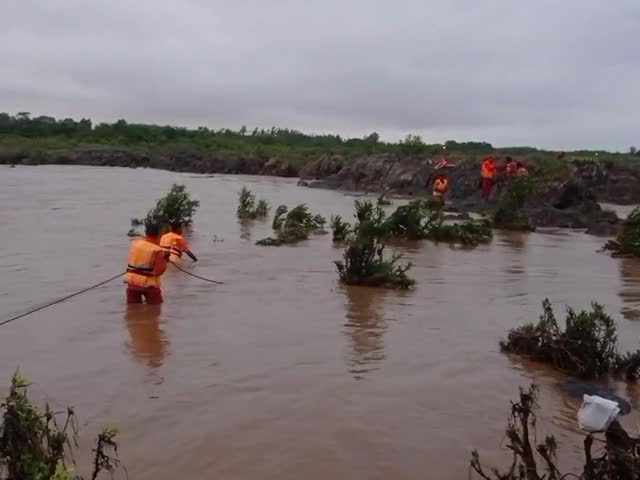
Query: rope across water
point(84, 290)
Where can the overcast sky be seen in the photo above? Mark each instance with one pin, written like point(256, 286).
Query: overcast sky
point(553, 73)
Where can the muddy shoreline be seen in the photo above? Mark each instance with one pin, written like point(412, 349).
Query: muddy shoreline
point(567, 193)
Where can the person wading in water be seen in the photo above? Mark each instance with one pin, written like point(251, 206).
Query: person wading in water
point(147, 263)
point(174, 243)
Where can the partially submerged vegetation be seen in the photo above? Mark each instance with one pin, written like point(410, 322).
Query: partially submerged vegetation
point(619, 460)
point(339, 227)
point(384, 201)
point(292, 226)
point(510, 214)
point(37, 445)
point(176, 206)
point(364, 262)
point(424, 219)
point(248, 208)
point(586, 348)
point(628, 241)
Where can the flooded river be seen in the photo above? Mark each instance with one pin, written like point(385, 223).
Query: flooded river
point(282, 373)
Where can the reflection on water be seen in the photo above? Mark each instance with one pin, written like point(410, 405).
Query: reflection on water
point(365, 327)
point(515, 274)
point(148, 343)
point(630, 289)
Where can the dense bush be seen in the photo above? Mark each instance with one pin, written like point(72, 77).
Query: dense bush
point(363, 260)
point(175, 207)
point(248, 208)
point(628, 241)
point(587, 347)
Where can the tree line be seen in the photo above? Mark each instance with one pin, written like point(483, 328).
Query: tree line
point(25, 125)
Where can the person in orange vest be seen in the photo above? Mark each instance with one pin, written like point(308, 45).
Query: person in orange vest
point(174, 243)
point(511, 168)
point(440, 187)
point(488, 174)
point(522, 170)
point(147, 263)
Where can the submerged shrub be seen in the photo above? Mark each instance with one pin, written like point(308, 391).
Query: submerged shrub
point(262, 208)
point(383, 201)
point(510, 215)
point(421, 219)
point(628, 241)
point(293, 225)
point(587, 347)
point(175, 207)
point(248, 209)
point(363, 260)
point(340, 228)
point(278, 219)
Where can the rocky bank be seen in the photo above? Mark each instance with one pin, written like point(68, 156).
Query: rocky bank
point(567, 191)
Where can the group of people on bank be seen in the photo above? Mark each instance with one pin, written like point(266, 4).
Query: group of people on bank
point(489, 174)
point(148, 259)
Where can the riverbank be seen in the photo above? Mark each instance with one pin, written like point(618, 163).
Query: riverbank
point(567, 191)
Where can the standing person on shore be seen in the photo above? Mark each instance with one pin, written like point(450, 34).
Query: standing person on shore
point(174, 243)
point(147, 263)
point(511, 167)
point(522, 170)
point(488, 174)
point(440, 187)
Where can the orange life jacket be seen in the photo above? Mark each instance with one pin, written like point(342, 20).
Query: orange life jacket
point(172, 242)
point(142, 259)
point(440, 187)
point(488, 169)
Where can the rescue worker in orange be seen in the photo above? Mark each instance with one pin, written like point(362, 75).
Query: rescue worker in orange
point(522, 170)
point(440, 187)
point(174, 243)
point(511, 168)
point(488, 173)
point(147, 263)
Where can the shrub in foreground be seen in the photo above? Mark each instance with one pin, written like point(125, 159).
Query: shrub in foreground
point(36, 445)
point(620, 459)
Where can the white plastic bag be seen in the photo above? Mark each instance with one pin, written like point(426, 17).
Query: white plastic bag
point(597, 413)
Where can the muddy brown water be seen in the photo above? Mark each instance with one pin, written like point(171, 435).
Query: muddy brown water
point(281, 372)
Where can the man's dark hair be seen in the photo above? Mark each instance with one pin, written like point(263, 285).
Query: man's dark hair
point(176, 226)
point(152, 230)
point(509, 159)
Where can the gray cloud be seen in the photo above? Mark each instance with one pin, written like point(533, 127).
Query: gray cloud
point(545, 73)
